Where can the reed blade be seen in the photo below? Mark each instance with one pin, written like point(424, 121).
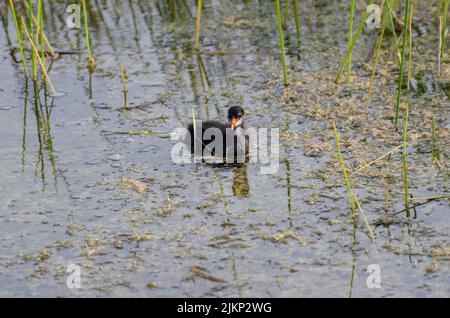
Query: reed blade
point(402, 63)
point(19, 38)
point(280, 32)
point(405, 166)
point(354, 39)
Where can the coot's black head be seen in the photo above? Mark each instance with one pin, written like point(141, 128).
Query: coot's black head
point(236, 117)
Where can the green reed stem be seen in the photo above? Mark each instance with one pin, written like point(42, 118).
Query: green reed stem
point(19, 38)
point(137, 237)
point(344, 171)
point(438, 60)
point(350, 35)
point(438, 11)
point(433, 134)
point(124, 85)
point(402, 63)
point(433, 131)
point(47, 42)
point(408, 83)
point(377, 57)
point(91, 61)
point(33, 56)
point(40, 30)
point(286, 15)
point(297, 22)
point(354, 39)
point(351, 196)
point(197, 23)
point(280, 32)
point(366, 222)
point(405, 167)
point(394, 34)
point(434, 140)
point(444, 27)
point(44, 71)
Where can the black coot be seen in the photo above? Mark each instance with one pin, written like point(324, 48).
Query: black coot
point(232, 129)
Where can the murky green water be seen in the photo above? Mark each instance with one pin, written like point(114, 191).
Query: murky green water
point(78, 172)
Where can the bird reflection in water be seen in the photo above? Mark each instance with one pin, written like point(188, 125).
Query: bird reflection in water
point(240, 181)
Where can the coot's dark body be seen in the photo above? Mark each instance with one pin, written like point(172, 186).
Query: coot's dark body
point(234, 128)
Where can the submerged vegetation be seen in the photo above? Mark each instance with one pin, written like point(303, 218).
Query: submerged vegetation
point(387, 15)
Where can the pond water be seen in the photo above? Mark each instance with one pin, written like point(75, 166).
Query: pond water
point(82, 177)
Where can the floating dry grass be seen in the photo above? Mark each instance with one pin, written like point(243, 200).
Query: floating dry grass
point(134, 184)
point(376, 160)
point(201, 272)
point(438, 197)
